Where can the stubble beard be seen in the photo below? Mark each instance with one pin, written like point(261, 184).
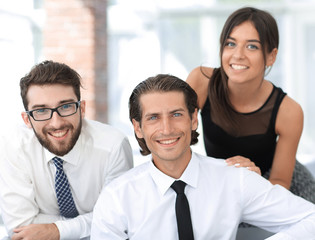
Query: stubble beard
point(61, 149)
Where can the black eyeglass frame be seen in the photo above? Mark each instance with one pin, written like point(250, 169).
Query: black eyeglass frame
point(77, 105)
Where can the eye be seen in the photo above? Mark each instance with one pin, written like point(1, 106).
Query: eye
point(66, 106)
point(41, 111)
point(152, 118)
point(252, 46)
point(229, 44)
point(177, 114)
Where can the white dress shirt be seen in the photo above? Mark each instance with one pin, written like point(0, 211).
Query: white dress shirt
point(141, 205)
point(27, 174)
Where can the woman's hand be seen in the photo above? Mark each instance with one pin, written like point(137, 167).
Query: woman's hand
point(239, 161)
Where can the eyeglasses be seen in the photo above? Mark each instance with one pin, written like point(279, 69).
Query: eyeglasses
point(64, 110)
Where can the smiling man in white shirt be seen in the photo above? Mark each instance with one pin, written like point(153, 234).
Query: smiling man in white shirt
point(141, 203)
point(57, 149)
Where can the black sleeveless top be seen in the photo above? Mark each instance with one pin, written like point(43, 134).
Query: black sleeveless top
point(253, 136)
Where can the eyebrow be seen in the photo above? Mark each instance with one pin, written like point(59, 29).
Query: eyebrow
point(45, 106)
point(250, 40)
point(178, 110)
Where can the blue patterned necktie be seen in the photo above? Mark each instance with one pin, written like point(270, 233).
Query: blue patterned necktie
point(64, 197)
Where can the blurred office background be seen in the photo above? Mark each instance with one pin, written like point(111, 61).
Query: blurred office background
point(115, 44)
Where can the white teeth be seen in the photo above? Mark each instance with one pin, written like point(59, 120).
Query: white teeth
point(238, 67)
point(59, 134)
point(168, 141)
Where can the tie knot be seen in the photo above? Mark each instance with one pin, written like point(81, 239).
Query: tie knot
point(178, 186)
point(58, 163)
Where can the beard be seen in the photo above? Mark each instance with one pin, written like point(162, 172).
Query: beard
point(64, 148)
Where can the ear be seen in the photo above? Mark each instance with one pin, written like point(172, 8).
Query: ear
point(137, 128)
point(271, 57)
point(194, 120)
point(82, 106)
point(26, 119)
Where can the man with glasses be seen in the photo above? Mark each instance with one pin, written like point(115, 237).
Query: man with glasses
point(52, 171)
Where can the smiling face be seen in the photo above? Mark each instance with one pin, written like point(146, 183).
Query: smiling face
point(58, 134)
point(242, 56)
point(166, 127)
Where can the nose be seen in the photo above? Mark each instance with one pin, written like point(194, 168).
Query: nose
point(239, 52)
point(56, 121)
point(166, 126)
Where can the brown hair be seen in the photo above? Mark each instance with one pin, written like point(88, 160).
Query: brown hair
point(49, 72)
point(267, 29)
point(161, 83)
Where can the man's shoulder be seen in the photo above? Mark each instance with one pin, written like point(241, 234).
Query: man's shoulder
point(17, 135)
point(132, 178)
point(210, 161)
point(101, 131)
point(17, 143)
point(95, 127)
point(217, 167)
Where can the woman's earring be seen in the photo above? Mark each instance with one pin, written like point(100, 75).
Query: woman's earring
point(267, 69)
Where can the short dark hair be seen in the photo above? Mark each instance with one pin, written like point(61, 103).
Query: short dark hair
point(48, 73)
point(161, 83)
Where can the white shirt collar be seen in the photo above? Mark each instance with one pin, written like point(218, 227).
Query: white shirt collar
point(189, 176)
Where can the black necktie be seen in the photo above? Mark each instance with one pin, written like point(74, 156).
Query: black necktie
point(184, 225)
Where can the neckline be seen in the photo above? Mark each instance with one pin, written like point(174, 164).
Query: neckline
point(261, 107)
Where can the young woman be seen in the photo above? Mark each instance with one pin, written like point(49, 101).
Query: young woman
point(246, 119)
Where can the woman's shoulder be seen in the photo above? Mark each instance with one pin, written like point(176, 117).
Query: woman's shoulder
point(290, 106)
point(200, 74)
point(290, 115)
point(199, 79)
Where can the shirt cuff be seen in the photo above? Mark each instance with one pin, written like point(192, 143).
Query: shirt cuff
point(75, 228)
